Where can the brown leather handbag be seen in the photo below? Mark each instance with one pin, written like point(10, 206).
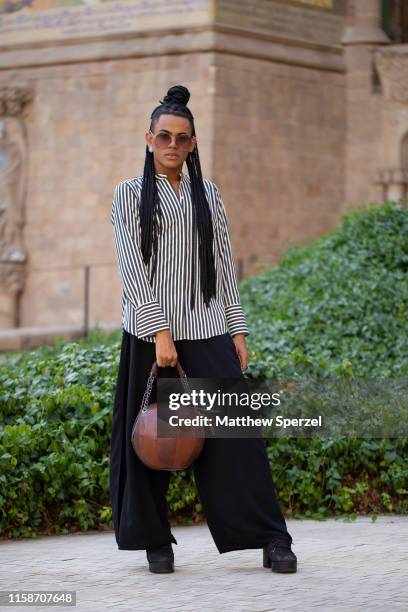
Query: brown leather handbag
point(161, 453)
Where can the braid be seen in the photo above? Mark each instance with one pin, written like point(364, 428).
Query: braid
point(150, 205)
point(175, 102)
point(203, 222)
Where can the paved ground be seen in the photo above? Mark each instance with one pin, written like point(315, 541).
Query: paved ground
point(342, 566)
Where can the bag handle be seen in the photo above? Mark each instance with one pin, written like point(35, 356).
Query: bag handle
point(153, 375)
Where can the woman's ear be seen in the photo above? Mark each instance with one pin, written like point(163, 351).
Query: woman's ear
point(148, 141)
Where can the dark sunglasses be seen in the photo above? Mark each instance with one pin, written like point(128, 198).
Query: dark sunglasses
point(162, 140)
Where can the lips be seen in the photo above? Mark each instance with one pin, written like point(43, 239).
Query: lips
point(171, 156)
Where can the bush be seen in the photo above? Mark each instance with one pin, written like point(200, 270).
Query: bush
point(335, 308)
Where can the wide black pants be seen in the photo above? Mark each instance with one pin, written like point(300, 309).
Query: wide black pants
point(232, 475)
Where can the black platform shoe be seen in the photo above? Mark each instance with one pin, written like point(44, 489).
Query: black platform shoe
point(161, 560)
point(279, 557)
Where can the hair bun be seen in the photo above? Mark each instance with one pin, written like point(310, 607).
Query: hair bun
point(178, 94)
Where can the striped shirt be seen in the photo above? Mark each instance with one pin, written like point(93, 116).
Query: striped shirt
point(165, 304)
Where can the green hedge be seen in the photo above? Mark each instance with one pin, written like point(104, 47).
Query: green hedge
point(337, 307)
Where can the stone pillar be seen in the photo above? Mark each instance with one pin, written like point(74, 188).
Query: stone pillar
point(392, 66)
point(361, 38)
point(13, 174)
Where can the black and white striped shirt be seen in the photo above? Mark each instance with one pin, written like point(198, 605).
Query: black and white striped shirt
point(166, 303)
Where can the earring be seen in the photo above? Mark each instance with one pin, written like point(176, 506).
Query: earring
point(150, 149)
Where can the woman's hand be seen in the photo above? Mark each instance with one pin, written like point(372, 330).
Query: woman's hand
point(166, 354)
point(240, 346)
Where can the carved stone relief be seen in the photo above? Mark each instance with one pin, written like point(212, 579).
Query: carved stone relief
point(392, 66)
point(393, 69)
point(13, 175)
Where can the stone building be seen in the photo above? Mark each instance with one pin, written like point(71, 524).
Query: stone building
point(301, 110)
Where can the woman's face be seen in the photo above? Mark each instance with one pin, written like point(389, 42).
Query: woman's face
point(172, 155)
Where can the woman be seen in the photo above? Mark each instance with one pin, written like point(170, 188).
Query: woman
point(181, 301)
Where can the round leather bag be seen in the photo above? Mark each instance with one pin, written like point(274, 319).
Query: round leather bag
point(161, 453)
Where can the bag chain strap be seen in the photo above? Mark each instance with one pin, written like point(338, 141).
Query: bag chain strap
point(150, 381)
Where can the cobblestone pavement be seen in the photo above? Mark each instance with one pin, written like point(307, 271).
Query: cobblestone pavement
point(342, 566)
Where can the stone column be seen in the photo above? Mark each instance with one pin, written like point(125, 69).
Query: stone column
point(362, 37)
point(13, 173)
point(392, 66)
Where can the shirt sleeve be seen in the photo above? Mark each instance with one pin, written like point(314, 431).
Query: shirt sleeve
point(132, 269)
point(234, 313)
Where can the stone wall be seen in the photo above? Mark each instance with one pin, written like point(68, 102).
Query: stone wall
point(270, 119)
point(278, 153)
point(86, 129)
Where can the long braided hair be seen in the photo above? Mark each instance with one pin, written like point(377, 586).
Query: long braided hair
point(175, 103)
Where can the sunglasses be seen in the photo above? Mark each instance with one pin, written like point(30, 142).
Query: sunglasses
point(162, 140)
